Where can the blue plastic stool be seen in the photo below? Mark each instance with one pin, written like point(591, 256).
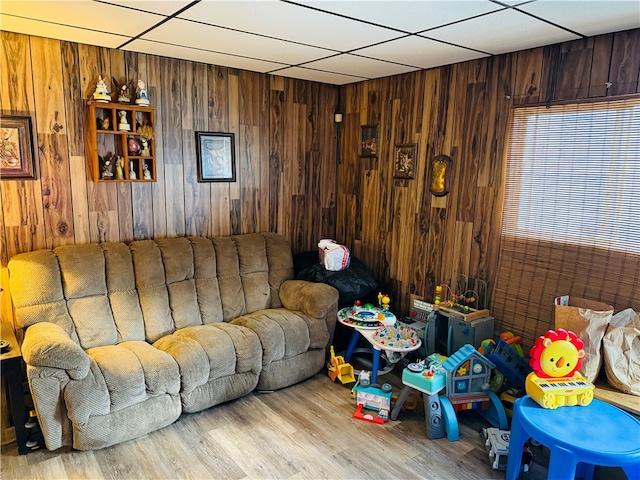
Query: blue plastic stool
point(578, 438)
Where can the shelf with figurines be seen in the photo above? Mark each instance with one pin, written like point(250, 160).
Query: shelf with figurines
point(120, 134)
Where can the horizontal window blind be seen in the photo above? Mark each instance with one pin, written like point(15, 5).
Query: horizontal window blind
point(571, 222)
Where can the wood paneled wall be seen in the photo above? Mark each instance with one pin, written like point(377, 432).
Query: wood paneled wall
point(285, 152)
point(413, 240)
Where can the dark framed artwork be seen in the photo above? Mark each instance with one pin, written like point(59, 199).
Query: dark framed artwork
point(369, 141)
point(440, 175)
point(16, 148)
point(216, 157)
point(404, 161)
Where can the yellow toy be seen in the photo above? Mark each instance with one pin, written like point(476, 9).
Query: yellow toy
point(555, 381)
point(337, 368)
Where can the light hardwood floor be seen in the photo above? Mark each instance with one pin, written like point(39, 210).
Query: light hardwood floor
point(302, 432)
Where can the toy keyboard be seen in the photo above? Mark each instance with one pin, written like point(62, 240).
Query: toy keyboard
point(558, 392)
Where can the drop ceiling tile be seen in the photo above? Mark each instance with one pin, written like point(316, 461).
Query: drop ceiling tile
point(409, 16)
point(588, 18)
point(203, 56)
point(60, 32)
point(191, 34)
point(99, 17)
point(289, 22)
point(501, 32)
point(164, 7)
point(419, 52)
point(359, 66)
point(318, 76)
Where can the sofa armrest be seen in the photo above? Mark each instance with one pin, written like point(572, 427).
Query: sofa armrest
point(46, 344)
point(315, 299)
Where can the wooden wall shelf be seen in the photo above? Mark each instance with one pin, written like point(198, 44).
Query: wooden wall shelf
point(105, 140)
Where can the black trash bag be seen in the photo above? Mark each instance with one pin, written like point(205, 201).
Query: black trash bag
point(353, 283)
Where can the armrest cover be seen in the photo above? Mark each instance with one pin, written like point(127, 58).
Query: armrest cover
point(46, 344)
point(315, 299)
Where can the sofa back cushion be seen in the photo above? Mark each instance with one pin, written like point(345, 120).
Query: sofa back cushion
point(103, 294)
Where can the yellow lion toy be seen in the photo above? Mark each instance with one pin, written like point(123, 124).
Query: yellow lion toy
point(555, 381)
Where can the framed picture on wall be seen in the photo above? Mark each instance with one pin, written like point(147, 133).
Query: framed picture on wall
point(216, 157)
point(404, 161)
point(16, 148)
point(369, 141)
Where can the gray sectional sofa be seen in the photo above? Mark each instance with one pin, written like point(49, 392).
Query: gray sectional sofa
point(121, 339)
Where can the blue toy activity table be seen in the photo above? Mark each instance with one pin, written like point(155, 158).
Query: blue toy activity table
point(578, 438)
point(370, 323)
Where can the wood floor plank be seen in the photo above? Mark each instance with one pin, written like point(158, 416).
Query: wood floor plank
point(306, 431)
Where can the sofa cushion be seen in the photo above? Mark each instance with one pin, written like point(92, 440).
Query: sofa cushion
point(120, 376)
point(285, 334)
point(86, 295)
point(206, 279)
point(123, 296)
point(152, 289)
point(210, 356)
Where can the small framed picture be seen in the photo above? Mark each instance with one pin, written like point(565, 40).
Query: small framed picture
point(16, 148)
point(404, 161)
point(369, 141)
point(216, 157)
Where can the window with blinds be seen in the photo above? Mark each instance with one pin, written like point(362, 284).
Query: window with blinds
point(571, 222)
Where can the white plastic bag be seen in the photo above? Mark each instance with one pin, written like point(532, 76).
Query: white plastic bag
point(333, 256)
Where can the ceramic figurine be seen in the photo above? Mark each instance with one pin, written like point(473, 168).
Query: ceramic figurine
point(101, 94)
point(119, 168)
point(123, 126)
point(145, 152)
point(141, 91)
point(132, 172)
point(146, 173)
point(104, 124)
point(107, 173)
point(124, 95)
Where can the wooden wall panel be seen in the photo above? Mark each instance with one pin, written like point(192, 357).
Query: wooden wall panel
point(624, 72)
point(408, 238)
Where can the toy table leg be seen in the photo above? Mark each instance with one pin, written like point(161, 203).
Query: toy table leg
point(400, 401)
point(562, 465)
point(517, 438)
point(355, 336)
point(450, 419)
point(586, 471)
point(495, 414)
point(433, 416)
point(376, 365)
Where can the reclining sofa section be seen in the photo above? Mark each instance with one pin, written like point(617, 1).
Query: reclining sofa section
point(121, 339)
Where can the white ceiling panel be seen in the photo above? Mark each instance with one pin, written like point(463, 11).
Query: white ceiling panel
point(359, 66)
point(501, 32)
point(587, 17)
point(420, 52)
point(98, 17)
point(163, 7)
point(408, 16)
point(289, 22)
point(191, 34)
point(318, 76)
point(203, 56)
point(60, 32)
point(329, 41)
